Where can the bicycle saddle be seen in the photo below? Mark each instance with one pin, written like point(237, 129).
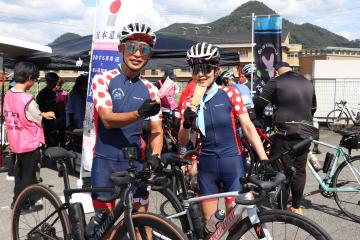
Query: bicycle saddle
point(345, 133)
point(172, 158)
point(58, 152)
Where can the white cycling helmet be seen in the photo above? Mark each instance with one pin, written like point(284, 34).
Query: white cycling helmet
point(203, 53)
point(227, 74)
point(247, 70)
point(138, 31)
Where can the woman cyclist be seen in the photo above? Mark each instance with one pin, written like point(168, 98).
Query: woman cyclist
point(220, 160)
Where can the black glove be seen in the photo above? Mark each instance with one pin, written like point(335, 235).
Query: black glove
point(189, 117)
point(149, 108)
point(266, 168)
point(154, 162)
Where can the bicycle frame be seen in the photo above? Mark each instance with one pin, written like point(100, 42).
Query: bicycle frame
point(232, 218)
point(325, 183)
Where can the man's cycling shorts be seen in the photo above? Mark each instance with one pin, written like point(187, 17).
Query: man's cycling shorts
point(216, 171)
point(100, 177)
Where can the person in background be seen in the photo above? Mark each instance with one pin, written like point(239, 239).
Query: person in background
point(75, 107)
point(295, 102)
point(12, 159)
point(167, 91)
point(24, 130)
point(46, 99)
point(61, 100)
point(228, 79)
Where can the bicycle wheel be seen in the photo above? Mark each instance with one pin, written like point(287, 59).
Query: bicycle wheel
point(337, 119)
point(143, 223)
point(278, 224)
point(34, 204)
point(166, 203)
point(347, 175)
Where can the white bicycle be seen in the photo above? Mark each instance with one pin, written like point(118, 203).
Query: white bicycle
point(340, 117)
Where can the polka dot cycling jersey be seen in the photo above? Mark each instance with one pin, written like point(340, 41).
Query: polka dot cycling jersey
point(221, 114)
point(116, 91)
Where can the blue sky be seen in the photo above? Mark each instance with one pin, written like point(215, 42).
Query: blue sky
point(41, 21)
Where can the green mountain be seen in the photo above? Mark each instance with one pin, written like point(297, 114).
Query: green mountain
point(65, 37)
point(309, 35)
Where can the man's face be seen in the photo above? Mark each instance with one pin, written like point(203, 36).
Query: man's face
point(204, 74)
point(136, 54)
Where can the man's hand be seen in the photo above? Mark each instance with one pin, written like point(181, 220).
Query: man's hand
point(189, 117)
point(48, 115)
point(149, 108)
point(154, 162)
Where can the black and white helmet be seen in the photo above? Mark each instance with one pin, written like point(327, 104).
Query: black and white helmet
point(227, 74)
point(249, 69)
point(138, 31)
point(203, 53)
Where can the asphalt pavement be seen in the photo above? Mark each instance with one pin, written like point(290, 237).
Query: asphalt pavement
point(322, 210)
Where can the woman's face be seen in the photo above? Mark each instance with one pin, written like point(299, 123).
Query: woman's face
point(204, 74)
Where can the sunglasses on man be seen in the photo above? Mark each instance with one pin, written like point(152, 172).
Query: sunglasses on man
point(132, 47)
point(204, 68)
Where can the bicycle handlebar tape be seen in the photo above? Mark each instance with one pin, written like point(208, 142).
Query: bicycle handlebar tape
point(299, 146)
point(149, 108)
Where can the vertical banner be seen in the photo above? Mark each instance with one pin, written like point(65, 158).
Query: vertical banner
point(267, 34)
point(111, 17)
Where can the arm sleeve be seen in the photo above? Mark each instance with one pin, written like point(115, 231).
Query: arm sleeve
point(33, 112)
point(101, 95)
point(265, 97)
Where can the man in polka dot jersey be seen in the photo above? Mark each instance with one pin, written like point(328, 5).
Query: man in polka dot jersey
point(122, 100)
point(218, 116)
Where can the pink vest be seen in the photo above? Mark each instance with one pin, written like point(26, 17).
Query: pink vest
point(22, 134)
point(168, 100)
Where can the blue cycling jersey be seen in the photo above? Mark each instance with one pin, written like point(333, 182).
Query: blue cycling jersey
point(115, 90)
point(245, 94)
point(220, 116)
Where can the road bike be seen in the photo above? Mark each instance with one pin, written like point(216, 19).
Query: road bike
point(53, 219)
point(340, 117)
point(342, 179)
point(244, 221)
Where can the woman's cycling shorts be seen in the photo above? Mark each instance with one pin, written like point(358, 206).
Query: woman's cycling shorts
point(216, 171)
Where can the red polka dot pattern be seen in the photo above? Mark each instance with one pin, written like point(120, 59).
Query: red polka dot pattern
point(108, 103)
point(235, 99)
point(100, 81)
point(94, 86)
point(109, 77)
point(101, 94)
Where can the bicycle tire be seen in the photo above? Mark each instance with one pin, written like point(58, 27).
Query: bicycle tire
point(336, 115)
point(49, 199)
point(309, 228)
point(353, 213)
point(157, 223)
point(169, 206)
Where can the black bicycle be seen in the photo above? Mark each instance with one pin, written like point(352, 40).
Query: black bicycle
point(52, 219)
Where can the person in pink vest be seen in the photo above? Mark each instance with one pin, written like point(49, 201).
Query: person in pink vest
point(23, 122)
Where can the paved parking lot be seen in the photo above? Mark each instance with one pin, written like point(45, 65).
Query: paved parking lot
point(321, 210)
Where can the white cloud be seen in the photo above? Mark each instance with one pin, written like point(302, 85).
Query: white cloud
point(34, 20)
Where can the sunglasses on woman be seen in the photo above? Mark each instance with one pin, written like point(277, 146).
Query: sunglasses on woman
point(204, 68)
point(132, 47)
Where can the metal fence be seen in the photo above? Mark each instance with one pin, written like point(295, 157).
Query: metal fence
point(329, 91)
